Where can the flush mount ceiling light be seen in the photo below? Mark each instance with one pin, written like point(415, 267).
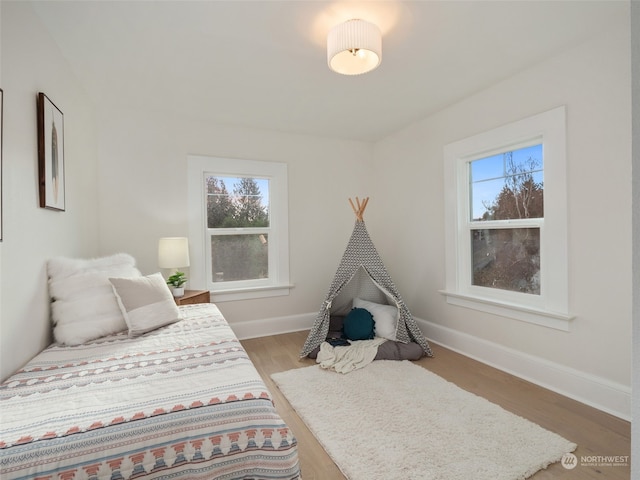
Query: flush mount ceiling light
point(354, 47)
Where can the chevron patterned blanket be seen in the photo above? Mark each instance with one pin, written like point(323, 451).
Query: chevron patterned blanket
point(184, 401)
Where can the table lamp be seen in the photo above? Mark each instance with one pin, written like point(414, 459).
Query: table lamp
point(173, 253)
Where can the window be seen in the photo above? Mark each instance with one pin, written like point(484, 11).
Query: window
point(238, 227)
point(507, 211)
point(506, 225)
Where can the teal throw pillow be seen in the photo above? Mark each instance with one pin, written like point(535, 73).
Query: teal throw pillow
point(358, 325)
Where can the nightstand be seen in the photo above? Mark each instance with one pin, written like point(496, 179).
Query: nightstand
point(193, 296)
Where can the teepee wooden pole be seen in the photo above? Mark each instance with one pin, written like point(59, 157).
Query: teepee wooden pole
point(364, 205)
point(359, 210)
point(353, 207)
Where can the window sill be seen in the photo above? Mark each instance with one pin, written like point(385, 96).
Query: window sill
point(250, 293)
point(545, 318)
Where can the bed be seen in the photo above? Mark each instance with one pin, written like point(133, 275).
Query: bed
point(181, 401)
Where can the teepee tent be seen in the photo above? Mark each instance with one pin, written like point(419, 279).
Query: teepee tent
point(361, 274)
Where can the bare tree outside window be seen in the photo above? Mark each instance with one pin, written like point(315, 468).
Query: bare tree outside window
point(507, 187)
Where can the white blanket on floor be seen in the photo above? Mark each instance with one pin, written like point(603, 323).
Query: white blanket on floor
point(345, 359)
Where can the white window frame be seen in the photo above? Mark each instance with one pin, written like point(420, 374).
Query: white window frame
point(551, 307)
point(199, 237)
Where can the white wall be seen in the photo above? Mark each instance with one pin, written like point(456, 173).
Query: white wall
point(635, 75)
point(31, 63)
point(143, 196)
point(593, 81)
point(2, 372)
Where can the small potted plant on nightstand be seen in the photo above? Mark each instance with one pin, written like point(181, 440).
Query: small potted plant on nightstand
point(176, 283)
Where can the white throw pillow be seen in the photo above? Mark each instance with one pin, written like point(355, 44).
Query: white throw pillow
point(385, 317)
point(84, 306)
point(146, 303)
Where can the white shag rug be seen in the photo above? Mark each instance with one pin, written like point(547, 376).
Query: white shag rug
point(397, 421)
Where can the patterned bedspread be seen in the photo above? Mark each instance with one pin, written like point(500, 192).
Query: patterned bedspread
point(183, 401)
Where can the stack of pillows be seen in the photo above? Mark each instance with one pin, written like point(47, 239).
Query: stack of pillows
point(368, 320)
point(98, 297)
point(102, 296)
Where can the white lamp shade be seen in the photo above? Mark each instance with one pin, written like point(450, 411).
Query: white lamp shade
point(173, 252)
point(354, 47)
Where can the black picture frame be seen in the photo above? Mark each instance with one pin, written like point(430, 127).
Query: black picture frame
point(51, 154)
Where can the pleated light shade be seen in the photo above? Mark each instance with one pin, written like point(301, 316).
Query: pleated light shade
point(354, 47)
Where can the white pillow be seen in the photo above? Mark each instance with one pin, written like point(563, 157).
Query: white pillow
point(146, 303)
point(84, 306)
point(385, 317)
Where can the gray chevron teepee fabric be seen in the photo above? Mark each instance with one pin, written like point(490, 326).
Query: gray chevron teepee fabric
point(362, 274)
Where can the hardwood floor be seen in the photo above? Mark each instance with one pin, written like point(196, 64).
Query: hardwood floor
point(596, 433)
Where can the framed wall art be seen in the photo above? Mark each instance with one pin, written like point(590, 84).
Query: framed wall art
point(50, 154)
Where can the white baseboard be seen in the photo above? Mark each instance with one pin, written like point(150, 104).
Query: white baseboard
point(597, 392)
point(273, 326)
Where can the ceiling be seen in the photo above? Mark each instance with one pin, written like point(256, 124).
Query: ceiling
point(263, 64)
